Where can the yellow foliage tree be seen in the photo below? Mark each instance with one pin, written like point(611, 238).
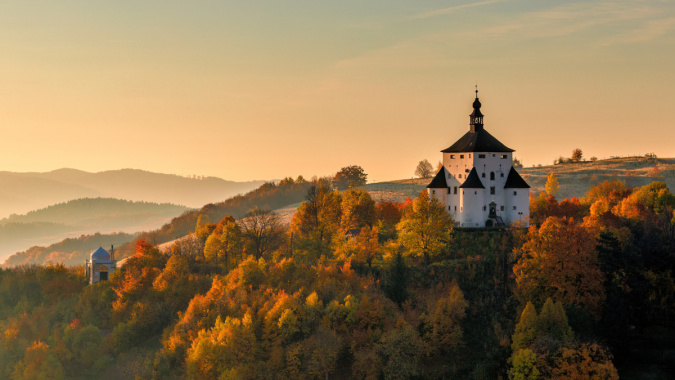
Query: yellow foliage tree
point(552, 185)
point(425, 227)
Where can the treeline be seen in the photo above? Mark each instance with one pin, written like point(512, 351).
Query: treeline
point(270, 195)
point(359, 289)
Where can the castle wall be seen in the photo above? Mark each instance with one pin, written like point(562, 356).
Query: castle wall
point(471, 212)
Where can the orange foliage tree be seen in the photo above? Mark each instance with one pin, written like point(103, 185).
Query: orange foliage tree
point(559, 260)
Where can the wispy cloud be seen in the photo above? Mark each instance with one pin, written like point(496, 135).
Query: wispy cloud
point(648, 31)
point(444, 11)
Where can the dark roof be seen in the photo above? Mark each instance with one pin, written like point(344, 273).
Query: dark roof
point(439, 181)
point(478, 141)
point(472, 181)
point(515, 181)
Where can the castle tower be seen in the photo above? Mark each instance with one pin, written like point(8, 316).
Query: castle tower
point(100, 266)
point(478, 183)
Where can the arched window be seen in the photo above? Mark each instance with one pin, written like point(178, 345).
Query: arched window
point(492, 176)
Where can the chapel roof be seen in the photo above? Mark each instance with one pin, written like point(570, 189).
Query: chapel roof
point(439, 181)
point(100, 255)
point(478, 141)
point(472, 181)
point(515, 181)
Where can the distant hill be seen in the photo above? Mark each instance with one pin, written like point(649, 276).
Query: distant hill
point(71, 251)
point(22, 192)
point(81, 216)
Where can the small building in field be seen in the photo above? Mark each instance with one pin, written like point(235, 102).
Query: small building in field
point(478, 184)
point(101, 265)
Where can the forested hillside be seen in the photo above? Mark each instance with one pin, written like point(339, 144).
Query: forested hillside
point(586, 292)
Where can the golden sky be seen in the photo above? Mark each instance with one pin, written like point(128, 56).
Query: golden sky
point(266, 89)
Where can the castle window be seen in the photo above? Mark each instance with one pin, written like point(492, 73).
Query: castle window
point(515, 193)
point(483, 175)
point(462, 192)
point(504, 156)
point(455, 189)
point(452, 156)
point(433, 191)
point(448, 190)
point(448, 208)
point(514, 207)
point(461, 156)
point(459, 176)
point(481, 156)
point(493, 155)
point(475, 192)
point(501, 175)
point(501, 208)
point(492, 190)
point(469, 155)
point(484, 208)
point(455, 208)
point(466, 170)
point(492, 176)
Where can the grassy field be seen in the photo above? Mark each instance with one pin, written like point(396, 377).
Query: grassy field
point(575, 179)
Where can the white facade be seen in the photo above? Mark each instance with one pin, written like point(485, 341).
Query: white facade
point(100, 265)
point(496, 195)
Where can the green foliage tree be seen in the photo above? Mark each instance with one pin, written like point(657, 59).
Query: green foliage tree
point(445, 335)
point(526, 329)
point(425, 227)
point(400, 352)
point(524, 365)
point(38, 363)
point(552, 322)
point(396, 279)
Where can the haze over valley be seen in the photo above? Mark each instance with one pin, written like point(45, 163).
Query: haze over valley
point(24, 192)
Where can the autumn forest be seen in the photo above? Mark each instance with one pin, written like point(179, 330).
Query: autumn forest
point(362, 289)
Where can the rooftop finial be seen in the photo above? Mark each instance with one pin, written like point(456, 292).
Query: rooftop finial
point(476, 89)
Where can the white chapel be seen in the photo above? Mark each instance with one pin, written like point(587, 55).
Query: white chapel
point(478, 182)
point(101, 265)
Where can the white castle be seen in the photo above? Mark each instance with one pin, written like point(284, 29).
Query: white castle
point(478, 182)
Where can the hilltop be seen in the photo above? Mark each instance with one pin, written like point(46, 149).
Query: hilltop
point(23, 192)
point(575, 180)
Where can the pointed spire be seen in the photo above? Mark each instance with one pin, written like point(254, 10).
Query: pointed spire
point(476, 117)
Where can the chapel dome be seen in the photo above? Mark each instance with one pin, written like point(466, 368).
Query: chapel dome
point(476, 103)
point(100, 255)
